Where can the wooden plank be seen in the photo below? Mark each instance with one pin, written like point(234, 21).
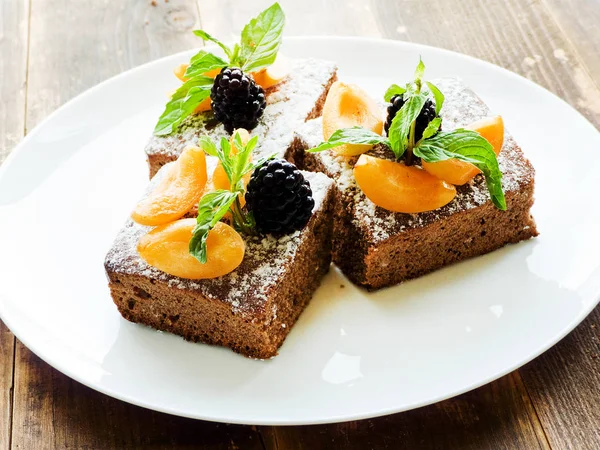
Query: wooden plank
point(520, 36)
point(226, 18)
point(578, 20)
point(52, 411)
point(13, 72)
point(492, 417)
point(564, 385)
point(7, 352)
point(73, 48)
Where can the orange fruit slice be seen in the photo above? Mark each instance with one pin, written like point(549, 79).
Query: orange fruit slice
point(460, 172)
point(177, 192)
point(273, 74)
point(400, 188)
point(347, 106)
point(167, 248)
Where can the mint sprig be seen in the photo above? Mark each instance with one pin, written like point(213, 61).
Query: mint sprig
point(403, 124)
point(214, 205)
point(258, 47)
point(470, 147)
point(434, 145)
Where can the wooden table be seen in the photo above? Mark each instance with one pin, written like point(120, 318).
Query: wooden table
point(51, 51)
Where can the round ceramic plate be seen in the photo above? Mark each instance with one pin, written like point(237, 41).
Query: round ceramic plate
point(69, 186)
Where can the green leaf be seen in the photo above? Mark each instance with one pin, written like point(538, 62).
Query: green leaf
point(209, 147)
point(394, 89)
point(467, 146)
point(261, 39)
point(419, 72)
point(401, 124)
point(182, 104)
point(438, 96)
point(202, 63)
point(355, 135)
point(254, 164)
point(207, 37)
point(211, 209)
point(432, 128)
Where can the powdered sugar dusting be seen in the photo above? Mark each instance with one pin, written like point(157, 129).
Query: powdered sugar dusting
point(288, 105)
point(462, 107)
point(247, 288)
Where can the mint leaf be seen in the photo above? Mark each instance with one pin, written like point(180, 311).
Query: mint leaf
point(211, 209)
point(207, 37)
point(419, 72)
point(202, 62)
point(432, 128)
point(394, 89)
point(182, 104)
point(438, 96)
point(261, 39)
point(207, 144)
point(467, 146)
point(401, 124)
point(253, 165)
point(355, 135)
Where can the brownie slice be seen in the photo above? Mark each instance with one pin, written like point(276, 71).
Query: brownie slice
point(375, 247)
point(250, 310)
point(298, 98)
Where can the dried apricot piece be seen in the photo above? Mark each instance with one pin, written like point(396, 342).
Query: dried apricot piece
point(273, 74)
point(179, 190)
point(167, 248)
point(460, 172)
point(346, 106)
point(400, 188)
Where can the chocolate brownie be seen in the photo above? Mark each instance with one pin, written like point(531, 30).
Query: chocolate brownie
point(375, 247)
point(250, 310)
point(297, 98)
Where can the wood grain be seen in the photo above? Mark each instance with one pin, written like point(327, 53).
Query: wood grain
point(52, 412)
point(517, 35)
point(492, 417)
point(7, 352)
point(226, 18)
point(13, 72)
point(578, 21)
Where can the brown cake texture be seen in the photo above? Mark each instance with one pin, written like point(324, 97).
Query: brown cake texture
point(250, 310)
point(296, 99)
point(376, 248)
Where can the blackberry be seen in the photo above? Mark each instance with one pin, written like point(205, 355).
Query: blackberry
point(426, 116)
point(237, 101)
point(279, 197)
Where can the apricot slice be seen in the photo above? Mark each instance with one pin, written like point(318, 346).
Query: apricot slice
point(177, 192)
point(167, 248)
point(460, 172)
point(180, 70)
point(273, 74)
point(203, 106)
point(400, 188)
point(346, 106)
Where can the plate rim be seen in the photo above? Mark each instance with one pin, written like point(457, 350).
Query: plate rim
point(277, 421)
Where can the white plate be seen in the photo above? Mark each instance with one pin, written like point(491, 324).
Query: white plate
point(68, 187)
